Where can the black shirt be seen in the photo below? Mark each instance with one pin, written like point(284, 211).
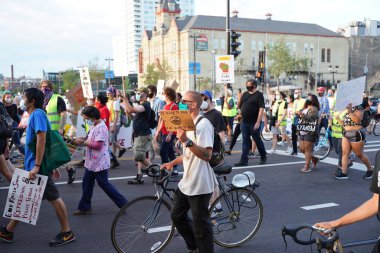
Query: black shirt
point(250, 105)
point(141, 122)
point(61, 105)
point(12, 111)
point(216, 119)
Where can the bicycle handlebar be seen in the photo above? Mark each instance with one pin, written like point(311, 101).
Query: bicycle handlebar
point(320, 242)
point(161, 176)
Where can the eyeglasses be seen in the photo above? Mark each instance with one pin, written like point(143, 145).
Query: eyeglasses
point(183, 101)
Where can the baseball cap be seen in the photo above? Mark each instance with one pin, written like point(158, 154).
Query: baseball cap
point(321, 89)
point(111, 90)
point(207, 93)
point(143, 89)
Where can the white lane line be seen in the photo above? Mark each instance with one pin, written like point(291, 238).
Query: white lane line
point(373, 142)
point(371, 150)
point(159, 229)
point(308, 208)
point(371, 146)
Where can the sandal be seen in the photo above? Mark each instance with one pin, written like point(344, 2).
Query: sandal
point(305, 170)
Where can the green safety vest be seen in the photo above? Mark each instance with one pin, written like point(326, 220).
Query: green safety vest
point(281, 111)
point(229, 112)
point(336, 127)
point(52, 112)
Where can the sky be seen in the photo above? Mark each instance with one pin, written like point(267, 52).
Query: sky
point(56, 35)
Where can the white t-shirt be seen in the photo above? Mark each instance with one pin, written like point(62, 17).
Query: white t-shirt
point(199, 178)
point(116, 107)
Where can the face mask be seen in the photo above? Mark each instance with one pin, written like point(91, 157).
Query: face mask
point(121, 100)
point(249, 88)
point(90, 123)
point(288, 100)
point(204, 105)
point(23, 106)
point(151, 95)
point(46, 90)
point(278, 97)
point(295, 95)
point(329, 95)
point(8, 100)
point(320, 94)
point(138, 97)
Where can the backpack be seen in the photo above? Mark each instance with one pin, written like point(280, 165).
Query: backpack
point(6, 124)
point(217, 149)
point(152, 119)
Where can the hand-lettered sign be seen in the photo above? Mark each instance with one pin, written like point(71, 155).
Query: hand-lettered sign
point(174, 119)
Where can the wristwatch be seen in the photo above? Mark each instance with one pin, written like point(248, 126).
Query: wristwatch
point(189, 143)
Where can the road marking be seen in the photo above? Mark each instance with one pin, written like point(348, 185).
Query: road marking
point(371, 150)
point(373, 142)
point(308, 208)
point(370, 146)
point(159, 229)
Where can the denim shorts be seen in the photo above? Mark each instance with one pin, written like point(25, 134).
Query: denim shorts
point(308, 137)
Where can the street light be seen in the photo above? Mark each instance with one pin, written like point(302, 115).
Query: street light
point(333, 72)
point(195, 60)
point(109, 70)
point(213, 71)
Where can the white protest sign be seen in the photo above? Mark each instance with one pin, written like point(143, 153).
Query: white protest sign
point(86, 83)
point(350, 92)
point(160, 88)
point(24, 197)
point(124, 137)
point(224, 69)
point(81, 131)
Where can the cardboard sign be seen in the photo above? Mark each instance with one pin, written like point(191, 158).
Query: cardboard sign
point(124, 137)
point(174, 85)
point(86, 82)
point(174, 119)
point(307, 126)
point(75, 97)
point(24, 197)
point(350, 92)
point(225, 69)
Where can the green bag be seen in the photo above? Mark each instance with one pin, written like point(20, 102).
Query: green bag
point(56, 152)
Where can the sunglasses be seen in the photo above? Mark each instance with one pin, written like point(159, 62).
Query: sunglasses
point(186, 101)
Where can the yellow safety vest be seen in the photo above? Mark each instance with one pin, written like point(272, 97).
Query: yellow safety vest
point(229, 112)
point(281, 111)
point(336, 127)
point(300, 104)
point(52, 112)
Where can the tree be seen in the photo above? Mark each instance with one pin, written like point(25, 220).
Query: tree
point(70, 79)
point(157, 71)
point(282, 62)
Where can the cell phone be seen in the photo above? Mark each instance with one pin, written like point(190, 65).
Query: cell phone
point(239, 90)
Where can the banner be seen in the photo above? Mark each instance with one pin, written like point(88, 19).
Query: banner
point(124, 138)
point(201, 43)
point(307, 126)
point(86, 82)
point(175, 119)
point(24, 197)
point(225, 69)
point(350, 92)
point(75, 97)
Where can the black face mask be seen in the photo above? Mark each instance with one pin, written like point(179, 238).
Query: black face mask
point(150, 95)
point(320, 94)
point(250, 88)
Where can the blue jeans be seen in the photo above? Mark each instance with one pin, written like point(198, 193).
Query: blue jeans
point(248, 132)
point(167, 149)
point(101, 178)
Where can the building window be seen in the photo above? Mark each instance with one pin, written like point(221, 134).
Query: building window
point(311, 48)
point(328, 55)
point(305, 46)
point(260, 45)
point(253, 45)
point(294, 47)
point(289, 46)
point(323, 55)
point(311, 63)
point(253, 60)
point(216, 44)
point(222, 44)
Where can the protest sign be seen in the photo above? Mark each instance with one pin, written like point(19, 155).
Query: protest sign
point(86, 82)
point(24, 197)
point(175, 119)
point(350, 92)
point(124, 137)
point(307, 126)
point(160, 88)
point(224, 69)
point(75, 97)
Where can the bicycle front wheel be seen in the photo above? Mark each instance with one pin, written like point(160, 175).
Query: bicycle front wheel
point(236, 216)
point(143, 225)
point(322, 150)
point(376, 129)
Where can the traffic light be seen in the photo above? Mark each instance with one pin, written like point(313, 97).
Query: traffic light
point(235, 44)
point(261, 67)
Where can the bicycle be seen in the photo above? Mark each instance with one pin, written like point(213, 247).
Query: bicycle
point(326, 239)
point(323, 148)
point(152, 230)
point(374, 126)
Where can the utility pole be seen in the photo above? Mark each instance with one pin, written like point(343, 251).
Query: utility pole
point(109, 70)
point(228, 29)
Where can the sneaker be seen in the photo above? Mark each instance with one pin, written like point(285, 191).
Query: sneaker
point(62, 238)
point(228, 152)
point(337, 171)
point(241, 164)
point(293, 153)
point(271, 151)
point(350, 164)
point(341, 175)
point(5, 235)
point(263, 161)
point(122, 152)
point(136, 181)
point(71, 174)
point(81, 212)
point(251, 155)
point(281, 143)
point(289, 150)
point(216, 211)
point(368, 174)
point(80, 164)
point(114, 164)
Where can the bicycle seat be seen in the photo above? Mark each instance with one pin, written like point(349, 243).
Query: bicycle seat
point(222, 169)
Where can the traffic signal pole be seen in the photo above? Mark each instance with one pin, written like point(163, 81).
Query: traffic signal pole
point(228, 29)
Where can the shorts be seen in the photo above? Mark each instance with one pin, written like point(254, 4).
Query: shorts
point(51, 192)
point(308, 137)
point(354, 135)
point(113, 136)
point(3, 145)
point(141, 145)
point(229, 121)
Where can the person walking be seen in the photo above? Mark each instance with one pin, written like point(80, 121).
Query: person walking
point(298, 105)
point(37, 128)
point(251, 106)
point(213, 115)
point(113, 106)
point(198, 181)
point(97, 162)
point(229, 112)
point(4, 151)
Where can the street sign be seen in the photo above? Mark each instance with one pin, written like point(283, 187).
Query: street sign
point(224, 69)
point(197, 67)
point(109, 74)
point(86, 82)
point(201, 43)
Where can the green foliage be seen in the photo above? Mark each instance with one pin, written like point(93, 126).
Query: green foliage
point(157, 71)
point(96, 73)
point(70, 79)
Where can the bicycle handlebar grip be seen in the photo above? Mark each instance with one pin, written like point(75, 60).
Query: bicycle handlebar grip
point(329, 242)
point(292, 232)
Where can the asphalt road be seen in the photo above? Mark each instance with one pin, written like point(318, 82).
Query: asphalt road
point(283, 191)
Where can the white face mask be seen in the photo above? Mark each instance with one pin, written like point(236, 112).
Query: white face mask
point(278, 97)
point(295, 95)
point(8, 100)
point(204, 105)
point(288, 100)
point(22, 105)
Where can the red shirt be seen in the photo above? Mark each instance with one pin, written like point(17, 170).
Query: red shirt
point(104, 114)
point(172, 106)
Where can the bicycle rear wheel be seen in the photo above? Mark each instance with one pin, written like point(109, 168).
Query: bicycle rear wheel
point(322, 150)
point(238, 219)
point(143, 225)
point(376, 129)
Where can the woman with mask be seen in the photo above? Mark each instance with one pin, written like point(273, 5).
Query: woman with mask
point(97, 162)
point(308, 138)
point(11, 109)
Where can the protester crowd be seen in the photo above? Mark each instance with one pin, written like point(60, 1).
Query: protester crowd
point(40, 110)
